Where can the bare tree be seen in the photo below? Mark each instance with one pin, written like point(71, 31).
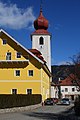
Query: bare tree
point(75, 71)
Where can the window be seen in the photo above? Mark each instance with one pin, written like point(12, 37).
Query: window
point(18, 54)
point(29, 91)
point(17, 72)
point(30, 72)
point(41, 40)
point(73, 89)
point(14, 91)
point(8, 56)
point(66, 89)
point(4, 42)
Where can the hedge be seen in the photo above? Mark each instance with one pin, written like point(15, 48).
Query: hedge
point(19, 100)
point(77, 106)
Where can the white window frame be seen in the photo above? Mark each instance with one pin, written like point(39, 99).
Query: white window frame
point(73, 90)
point(41, 42)
point(14, 89)
point(27, 91)
point(66, 89)
point(19, 55)
point(4, 40)
point(16, 74)
point(8, 56)
point(30, 74)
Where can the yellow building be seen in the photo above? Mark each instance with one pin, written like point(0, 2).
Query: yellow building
point(21, 72)
point(24, 71)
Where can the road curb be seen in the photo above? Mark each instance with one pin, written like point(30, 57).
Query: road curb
point(19, 109)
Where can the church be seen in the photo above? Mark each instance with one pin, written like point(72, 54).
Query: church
point(26, 71)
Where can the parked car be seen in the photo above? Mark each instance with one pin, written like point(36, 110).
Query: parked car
point(65, 101)
point(55, 100)
point(49, 101)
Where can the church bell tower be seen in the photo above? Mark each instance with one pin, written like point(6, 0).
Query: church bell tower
point(41, 38)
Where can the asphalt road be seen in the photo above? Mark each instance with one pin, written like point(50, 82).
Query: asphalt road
point(55, 112)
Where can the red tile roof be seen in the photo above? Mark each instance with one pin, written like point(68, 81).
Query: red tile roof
point(35, 51)
point(37, 54)
point(41, 31)
point(69, 81)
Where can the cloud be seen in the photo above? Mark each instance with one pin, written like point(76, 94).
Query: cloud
point(54, 62)
point(64, 63)
point(15, 18)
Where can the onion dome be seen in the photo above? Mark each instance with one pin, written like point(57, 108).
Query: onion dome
point(41, 22)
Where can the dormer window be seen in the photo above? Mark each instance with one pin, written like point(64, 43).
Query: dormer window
point(4, 42)
point(41, 40)
point(18, 54)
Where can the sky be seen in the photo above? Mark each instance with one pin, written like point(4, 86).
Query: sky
point(17, 17)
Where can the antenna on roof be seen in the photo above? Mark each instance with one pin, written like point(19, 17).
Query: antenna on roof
point(41, 6)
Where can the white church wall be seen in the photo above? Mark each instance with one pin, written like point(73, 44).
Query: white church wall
point(54, 92)
point(45, 49)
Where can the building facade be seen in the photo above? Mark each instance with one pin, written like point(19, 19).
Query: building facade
point(68, 88)
point(69, 92)
point(65, 88)
point(54, 91)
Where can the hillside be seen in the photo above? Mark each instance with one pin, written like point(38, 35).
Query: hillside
point(60, 72)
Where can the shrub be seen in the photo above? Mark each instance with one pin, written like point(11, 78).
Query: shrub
point(19, 100)
point(77, 106)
